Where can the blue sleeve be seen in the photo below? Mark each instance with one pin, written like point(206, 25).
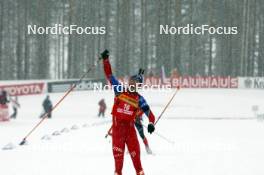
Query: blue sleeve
point(143, 105)
point(117, 86)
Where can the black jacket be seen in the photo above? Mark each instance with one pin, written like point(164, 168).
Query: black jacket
point(47, 105)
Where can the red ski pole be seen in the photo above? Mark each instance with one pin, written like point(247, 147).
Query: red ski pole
point(167, 105)
point(57, 104)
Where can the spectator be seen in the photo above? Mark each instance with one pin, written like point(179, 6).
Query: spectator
point(15, 105)
point(47, 106)
point(102, 108)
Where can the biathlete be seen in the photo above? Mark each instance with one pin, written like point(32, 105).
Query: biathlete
point(127, 103)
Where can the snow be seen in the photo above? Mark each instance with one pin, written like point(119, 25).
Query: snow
point(207, 132)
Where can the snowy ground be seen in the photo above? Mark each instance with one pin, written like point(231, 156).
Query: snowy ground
point(198, 142)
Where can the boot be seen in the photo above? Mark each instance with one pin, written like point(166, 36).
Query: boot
point(148, 150)
point(141, 173)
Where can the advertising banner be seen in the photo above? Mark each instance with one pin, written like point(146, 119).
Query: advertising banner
point(62, 86)
point(251, 82)
point(190, 82)
point(23, 89)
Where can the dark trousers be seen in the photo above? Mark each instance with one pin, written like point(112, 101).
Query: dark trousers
point(101, 113)
point(140, 128)
point(14, 113)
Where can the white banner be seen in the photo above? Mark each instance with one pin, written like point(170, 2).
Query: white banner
point(251, 82)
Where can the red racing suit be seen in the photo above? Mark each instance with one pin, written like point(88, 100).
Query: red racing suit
point(125, 109)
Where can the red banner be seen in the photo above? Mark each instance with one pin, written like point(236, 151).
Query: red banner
point(24, 89)
point(191, 82)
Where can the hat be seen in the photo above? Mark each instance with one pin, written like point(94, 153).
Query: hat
point(138, 77)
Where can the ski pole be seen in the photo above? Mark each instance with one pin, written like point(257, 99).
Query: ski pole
point(158, 134)
point(109, 132)
point(161, 136)
point(178, 88)
point(164, 138)
point(57, 104)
